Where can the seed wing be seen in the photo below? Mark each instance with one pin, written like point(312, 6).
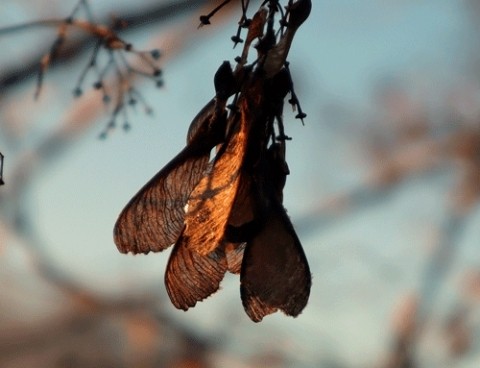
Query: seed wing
point(191, 277)
point(275, 274)
point(210, 203)
point(153, 219)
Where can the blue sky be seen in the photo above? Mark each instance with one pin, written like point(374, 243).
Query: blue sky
point(344, 50)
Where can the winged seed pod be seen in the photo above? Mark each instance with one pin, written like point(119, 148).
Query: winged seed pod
point(226, 213)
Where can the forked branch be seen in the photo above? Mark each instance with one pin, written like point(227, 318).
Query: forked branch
point(118, 67)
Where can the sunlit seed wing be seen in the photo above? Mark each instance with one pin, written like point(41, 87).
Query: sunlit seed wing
point(241, 216)
point(275, 274)
point(191, 277)
point(153, 219)
point(239, 224)
point(210, 203)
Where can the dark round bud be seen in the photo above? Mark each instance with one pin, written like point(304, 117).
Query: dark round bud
point(204, 19)
point(155, 54)
point(301, 116)
point(236, 39)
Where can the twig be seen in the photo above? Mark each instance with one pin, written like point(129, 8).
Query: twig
point(1, 169)
point(160, 12)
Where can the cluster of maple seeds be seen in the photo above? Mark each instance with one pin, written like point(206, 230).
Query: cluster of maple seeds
point(226, 213)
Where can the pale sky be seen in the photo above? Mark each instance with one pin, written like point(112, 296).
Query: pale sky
point(340, 55)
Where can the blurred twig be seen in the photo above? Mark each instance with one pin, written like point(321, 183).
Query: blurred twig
point(20, 73)
point(413, 150)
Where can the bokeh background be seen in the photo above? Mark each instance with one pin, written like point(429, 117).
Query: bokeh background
point(383, 192)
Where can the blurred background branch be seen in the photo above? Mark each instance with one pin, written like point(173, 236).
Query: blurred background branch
point(385, 192)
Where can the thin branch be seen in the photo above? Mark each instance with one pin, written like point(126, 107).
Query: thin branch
point(1, 169)
point(158, 13)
